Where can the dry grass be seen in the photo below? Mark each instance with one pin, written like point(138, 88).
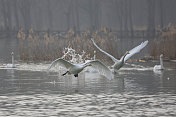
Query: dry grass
point(165, 44)
point(46, 47)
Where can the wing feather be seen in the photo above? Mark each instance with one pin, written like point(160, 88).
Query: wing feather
point(62, 63)
point(102, 69)
point(136, 50)
point(113, 58)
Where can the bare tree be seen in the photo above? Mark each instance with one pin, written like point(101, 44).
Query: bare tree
point(6, 10)
point(94, 6)
point(25, 7)
point(15, 8)
point(151, 17)
point(130, 18)
point(76, 6)
point(161, 13)
point(50, 15)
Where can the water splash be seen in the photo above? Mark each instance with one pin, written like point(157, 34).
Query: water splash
point(78, 58)
point(75, 57)
point(71, 55)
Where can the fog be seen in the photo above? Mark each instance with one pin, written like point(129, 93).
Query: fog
point(102, 19)
point(80, 15)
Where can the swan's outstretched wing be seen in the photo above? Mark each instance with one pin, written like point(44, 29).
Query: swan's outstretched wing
point(102, 69)
point(62, 63)
point(136, 50)
point(114, 59)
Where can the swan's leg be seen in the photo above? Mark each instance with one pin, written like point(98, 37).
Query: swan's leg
point(115, 72)
point(76, 75)
point(65, 73)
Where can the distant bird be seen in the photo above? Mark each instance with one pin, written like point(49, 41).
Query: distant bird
point(161, 66)
point(77, 68)
point(119, 63)
point(94, 54)
point(90, 69)
point(11, 65)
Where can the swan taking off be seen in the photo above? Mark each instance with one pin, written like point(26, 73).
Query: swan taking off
point(119, 63)
point(161, 66)
point(11, 65)
point(77, 68)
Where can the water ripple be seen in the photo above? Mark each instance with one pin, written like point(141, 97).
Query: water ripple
point(88, 105)
point(133, 92)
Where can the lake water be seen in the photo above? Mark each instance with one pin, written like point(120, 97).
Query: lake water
point(135, 91)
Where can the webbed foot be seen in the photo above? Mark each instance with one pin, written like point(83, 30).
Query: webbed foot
point(64, 73)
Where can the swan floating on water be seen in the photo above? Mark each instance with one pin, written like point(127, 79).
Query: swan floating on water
point(77, 68)
point(119, 63)
point(161, 66)
point(11, 65)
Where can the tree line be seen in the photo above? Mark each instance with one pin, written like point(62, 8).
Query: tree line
point(80, 15)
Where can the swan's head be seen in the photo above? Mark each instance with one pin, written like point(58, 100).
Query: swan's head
point(88, 64)
point(161, 56)
point(12, 53)
point(127, 52)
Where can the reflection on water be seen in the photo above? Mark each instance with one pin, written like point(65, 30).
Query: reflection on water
point(134, 91)
point(37, 81)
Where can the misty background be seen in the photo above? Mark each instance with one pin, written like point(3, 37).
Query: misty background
point(80, 15)
point(126, 22)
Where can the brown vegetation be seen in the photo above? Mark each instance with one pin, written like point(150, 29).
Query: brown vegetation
point(165, 44)
point(46, 47)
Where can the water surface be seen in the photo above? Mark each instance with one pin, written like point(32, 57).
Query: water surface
point(135, 91)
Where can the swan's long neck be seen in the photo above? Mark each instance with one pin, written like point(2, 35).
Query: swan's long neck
point(12, 60)
point(85, 66)
point(161, 62)
point(124, 57)
point(94, 55)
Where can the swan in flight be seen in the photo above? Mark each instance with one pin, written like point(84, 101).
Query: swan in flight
point(119, 63)
point(11, 65)
point(161, 66)
point(77, 68)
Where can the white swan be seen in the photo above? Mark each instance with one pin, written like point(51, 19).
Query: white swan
point(77, 68)
point(94, 54)
point(161, 66)
point(11, 65)
point(119, 63)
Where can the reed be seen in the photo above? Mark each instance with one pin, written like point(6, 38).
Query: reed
point(165, 44)
point(35, 46)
